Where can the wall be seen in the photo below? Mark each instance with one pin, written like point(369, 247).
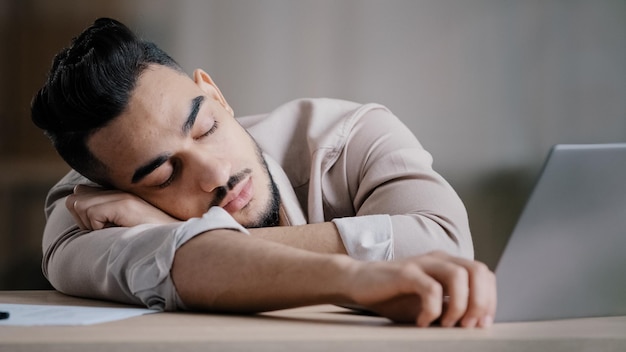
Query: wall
point(486, 85)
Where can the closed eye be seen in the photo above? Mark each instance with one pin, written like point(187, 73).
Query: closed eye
point(176, 167)
point(210, 131)
point(172, 177)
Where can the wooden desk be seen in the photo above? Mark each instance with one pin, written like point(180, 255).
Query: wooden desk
point(317, 328)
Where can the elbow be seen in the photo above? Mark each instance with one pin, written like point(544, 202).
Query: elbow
point(459, 235)
point(419, 234)
point(54, 274)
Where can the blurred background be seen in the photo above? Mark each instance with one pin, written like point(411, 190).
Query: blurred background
point(488, 86)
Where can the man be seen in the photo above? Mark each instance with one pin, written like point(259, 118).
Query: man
point(190, 208)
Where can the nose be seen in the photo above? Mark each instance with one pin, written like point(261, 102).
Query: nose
point(211, 171)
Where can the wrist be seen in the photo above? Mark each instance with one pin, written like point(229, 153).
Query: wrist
point(347, 269)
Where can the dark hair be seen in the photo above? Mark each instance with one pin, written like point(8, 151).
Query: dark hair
point(88, 86)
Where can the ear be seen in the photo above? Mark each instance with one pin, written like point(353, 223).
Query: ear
point(204, 81)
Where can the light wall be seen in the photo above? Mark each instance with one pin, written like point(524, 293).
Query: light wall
point(486, 85)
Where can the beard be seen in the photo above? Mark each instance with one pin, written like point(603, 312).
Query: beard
point(269, 214)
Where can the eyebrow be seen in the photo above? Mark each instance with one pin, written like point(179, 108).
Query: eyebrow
point(153, 164)
point(191, 119)
point(150, 166)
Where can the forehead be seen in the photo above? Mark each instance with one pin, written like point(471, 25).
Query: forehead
point(156, 109)
point(158, 93)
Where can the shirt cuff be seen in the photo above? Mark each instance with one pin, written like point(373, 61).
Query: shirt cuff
point(367, 238)
point(150, 279)
point(214, 219)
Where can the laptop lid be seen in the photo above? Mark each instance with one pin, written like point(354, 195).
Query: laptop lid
point(566, 257)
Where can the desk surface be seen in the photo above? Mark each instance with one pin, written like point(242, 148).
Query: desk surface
point(315, 328)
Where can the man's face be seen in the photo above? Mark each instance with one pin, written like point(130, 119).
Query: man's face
point(179, 147)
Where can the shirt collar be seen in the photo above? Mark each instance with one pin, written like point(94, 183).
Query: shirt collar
point(290, 213)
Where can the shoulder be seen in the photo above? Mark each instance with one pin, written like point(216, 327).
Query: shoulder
point(306, 133)
point(323, 122)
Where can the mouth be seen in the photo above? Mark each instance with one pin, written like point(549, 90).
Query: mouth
point(239, 197)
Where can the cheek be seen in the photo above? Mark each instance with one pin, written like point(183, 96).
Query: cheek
point(235, 138)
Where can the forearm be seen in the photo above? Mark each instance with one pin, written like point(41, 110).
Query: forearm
point(228, 271)
point(319, 238)
point(374, 237)
point(223, 271)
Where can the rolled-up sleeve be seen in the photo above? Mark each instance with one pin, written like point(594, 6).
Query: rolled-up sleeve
point(406, 208)
point(129, 265)
point(368, 237)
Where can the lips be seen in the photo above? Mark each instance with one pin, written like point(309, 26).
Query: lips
point(239, 196)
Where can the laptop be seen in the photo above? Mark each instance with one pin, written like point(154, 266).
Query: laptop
point(566, 257)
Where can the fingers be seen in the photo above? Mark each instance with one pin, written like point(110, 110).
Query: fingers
point(430, 287)
point(71, 204)
point(455, 290)
point(455, 282)
point(470, 287)
point(483, 297)
point(429, 290)
point(95, 208)
point(83, 204)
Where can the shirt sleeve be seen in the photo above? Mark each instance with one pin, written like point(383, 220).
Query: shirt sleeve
point(367, 237)
point(129, 265)
point(402, 206)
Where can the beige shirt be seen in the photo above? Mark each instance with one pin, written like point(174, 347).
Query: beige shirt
point(333, 160)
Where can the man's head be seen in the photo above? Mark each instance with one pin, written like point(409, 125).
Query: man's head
point(89, 85)
point(121, 112)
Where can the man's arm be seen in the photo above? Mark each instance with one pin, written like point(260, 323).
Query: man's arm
point(94, 208)
point(228, 271)
point(126, 264)
point(273, 276)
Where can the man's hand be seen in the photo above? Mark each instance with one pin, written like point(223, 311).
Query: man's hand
point(427, 288)
point(95, 208)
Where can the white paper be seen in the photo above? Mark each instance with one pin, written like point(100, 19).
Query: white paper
point(31, 315)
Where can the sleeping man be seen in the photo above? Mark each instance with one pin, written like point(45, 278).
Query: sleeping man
point(175, 204)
